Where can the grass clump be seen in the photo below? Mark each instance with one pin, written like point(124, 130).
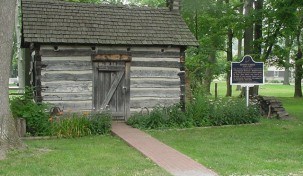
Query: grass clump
point(100, 123)
point(227, 111)
point(160, 117)
point(79, 125)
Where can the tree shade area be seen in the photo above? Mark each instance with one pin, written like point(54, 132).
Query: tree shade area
point(271, 31)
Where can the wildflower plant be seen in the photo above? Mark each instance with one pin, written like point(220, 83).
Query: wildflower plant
point(200, 111)
point(71, 125)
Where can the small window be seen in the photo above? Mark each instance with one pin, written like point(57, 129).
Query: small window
point(276, 74)
point(162, 50)
point(93, 48)
point(128, 49)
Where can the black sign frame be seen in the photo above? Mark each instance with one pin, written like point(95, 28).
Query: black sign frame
point(247, 72)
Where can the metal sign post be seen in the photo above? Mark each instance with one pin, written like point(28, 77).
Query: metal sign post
point(247, 93)
point(247, 73)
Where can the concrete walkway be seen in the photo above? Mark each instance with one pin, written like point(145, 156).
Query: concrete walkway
point(166, 157)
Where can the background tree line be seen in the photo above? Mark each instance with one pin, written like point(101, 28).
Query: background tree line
point(268, 30)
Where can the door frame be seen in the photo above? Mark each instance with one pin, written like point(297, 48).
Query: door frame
point(114, 56)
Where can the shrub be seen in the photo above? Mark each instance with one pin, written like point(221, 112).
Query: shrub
point(201, 111)
point(177, 118)
point(157, 118)
point(70, 126)
point(76, 125)
point(36, 115)
point(137, 120)
point(100, 123)
point(161, 117)
point(227, 111)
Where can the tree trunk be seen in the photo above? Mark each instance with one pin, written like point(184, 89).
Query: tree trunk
point(298, 75)
point(209, 72)
point(288, 45)
point(21, 63)
point(298, 68)
point(248, 36)
point(258, 30)
point(239, 56)
point(286, 80)
point(257, 38)
point(229, 59)
point(249, 30)
point(8, 134)
point(240, 41)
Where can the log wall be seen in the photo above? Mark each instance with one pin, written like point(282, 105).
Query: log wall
point(67, 76)
point(154, 77)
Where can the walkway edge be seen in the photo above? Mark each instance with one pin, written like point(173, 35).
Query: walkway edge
point(166, 157)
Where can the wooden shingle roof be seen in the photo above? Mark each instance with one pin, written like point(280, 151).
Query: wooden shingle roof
point(53, 21)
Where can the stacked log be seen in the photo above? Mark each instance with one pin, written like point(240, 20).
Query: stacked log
point(271, 107)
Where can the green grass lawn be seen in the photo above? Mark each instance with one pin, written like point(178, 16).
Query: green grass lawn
point(272, 147)
point(265, 90)
point(98, 155)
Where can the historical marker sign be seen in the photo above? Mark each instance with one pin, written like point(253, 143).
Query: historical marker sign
point(247, 72)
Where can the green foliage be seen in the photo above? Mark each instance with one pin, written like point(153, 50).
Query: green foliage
point(100, 123)
point(39, 122)
point(209, 21)
point(99, 1)
point(232, 112)
point(87, 1)
point(206, 111)
point(157, 118)
point(177, 118)
point(160, 117)
point(36, 115)
point(71, 126)
point(138, 120)
point(197, 62)
point(149, 3)
point(201, 111)
point(79, 125)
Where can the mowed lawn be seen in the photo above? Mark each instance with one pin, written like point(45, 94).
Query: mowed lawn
point(97, 155)
point(271, 147)
point(279, 90)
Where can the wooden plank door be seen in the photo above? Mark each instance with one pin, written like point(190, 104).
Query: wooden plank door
point(111, 88)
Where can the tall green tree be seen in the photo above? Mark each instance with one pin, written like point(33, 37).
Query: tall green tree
point(283, 21)
point(298, 58)
point(207, 20)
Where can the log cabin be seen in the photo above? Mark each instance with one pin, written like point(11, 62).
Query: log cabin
point(96, 57)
